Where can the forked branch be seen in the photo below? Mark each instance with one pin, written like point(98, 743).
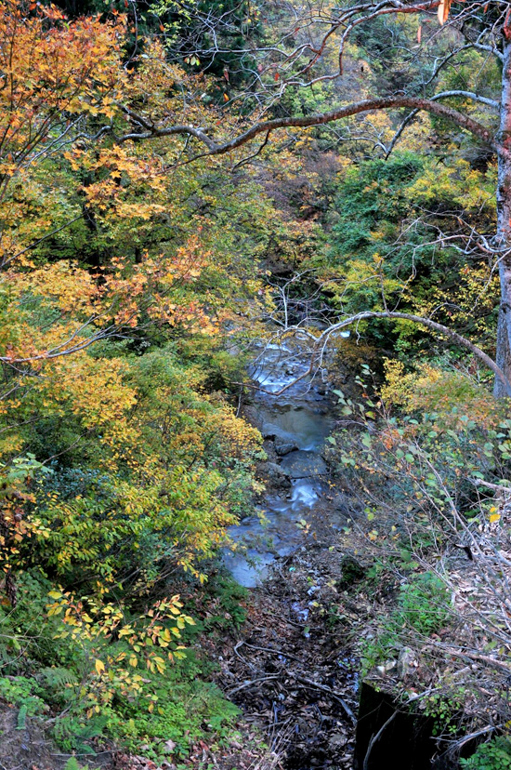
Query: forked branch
point(321, 342)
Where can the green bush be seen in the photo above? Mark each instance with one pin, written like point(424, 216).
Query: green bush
point(494, 755)
point(185, 710)
point(24, 693)
point(422, 608)
point(230, 595)
point(44, 674)
point(423, 604)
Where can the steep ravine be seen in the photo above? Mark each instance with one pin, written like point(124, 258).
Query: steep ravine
point(287, 670)
point(292, 669)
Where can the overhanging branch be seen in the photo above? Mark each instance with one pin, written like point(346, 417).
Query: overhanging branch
point(320, 343)
point(150, 130)
point(430, 324)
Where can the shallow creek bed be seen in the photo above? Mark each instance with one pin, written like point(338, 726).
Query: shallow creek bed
point(287, 670)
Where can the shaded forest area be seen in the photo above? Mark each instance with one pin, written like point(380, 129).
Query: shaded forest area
point(181, 182)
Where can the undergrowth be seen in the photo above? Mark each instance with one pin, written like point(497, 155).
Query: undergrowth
point(494, 755)
point(45, 675)
point(421, 608)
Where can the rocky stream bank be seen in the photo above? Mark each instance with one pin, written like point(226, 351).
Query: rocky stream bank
point(293, 668)
point(289, 670)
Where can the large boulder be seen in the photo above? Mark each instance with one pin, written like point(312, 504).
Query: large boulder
point(284, 446)
point(302, 464)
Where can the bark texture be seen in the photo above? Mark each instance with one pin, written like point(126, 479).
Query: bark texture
point(504, 223)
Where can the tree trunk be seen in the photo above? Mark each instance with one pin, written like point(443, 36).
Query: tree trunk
point(503, 357)
point(504, 226)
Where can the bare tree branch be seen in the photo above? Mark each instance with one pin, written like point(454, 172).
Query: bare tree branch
point(319, 343)
point(430, 324)
point(367, 105)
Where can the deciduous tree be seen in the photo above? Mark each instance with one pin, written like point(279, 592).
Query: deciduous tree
point(311, 52)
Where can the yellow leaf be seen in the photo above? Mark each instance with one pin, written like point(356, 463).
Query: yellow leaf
point(99, 666)
point(494, 517)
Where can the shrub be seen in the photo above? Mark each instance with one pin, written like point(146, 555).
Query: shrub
point(422, 608)
point(423, 604)
point(494, 755)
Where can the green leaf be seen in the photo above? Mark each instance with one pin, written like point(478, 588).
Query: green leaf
point(22, 717)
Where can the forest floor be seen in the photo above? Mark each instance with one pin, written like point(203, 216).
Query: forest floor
point(25, 745)
point(290, 668)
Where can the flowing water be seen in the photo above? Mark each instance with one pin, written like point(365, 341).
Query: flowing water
point(298, 421)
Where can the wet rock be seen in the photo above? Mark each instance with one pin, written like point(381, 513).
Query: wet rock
point(275, 475)
point(283, 447)
point(269, 448)
point(302, 464)
point(251, 415)
point(275, 470)
point(271, 431)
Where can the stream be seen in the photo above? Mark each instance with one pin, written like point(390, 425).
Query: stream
point(294, 425)
point(292, 670)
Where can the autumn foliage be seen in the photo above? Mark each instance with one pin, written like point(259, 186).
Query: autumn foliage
point(121, 466)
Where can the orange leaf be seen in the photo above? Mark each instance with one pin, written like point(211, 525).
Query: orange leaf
point(443, 10)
